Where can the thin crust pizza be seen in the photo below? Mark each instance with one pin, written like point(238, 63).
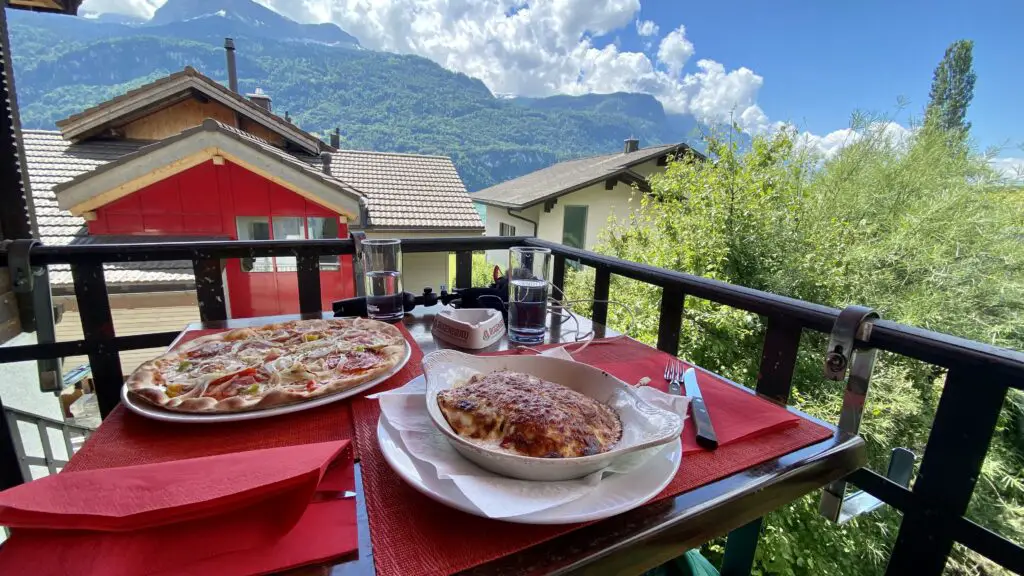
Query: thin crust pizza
point(266, 366)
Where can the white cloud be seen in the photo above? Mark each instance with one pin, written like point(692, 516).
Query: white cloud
point(646, 28)
point(675, 50)
point(533, 48)
point(1012, 168)
point(141, 8)
point(830, 144)
point(544, 47)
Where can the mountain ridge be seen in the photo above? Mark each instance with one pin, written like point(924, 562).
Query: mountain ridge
point(381, 101)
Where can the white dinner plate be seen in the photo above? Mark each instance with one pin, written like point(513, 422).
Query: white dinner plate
point(615, 494)
point(150, 411)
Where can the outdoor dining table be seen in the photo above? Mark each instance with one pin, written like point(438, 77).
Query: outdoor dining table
point(643, 538)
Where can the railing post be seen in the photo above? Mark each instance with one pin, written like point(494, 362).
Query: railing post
point(969, 408)
point(308, 269)
point(602, 286)
point(463, 269)
point(778, 359)
point(357, 262)
point(670, 320)
point(740, 547)
point(98, 331)
point(10, 466)
point(558, 277)
point(774, 380)
point(210, 289)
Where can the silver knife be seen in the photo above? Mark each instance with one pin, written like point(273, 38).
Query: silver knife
point(705, 431)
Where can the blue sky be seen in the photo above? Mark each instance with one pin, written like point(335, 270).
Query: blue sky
point(823, 60)
point(762, 64)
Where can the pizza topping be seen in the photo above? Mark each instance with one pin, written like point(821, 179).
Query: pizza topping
point(257, 345)
point(242, 382)
point(184, 365)
point(227, 377)
point(320, 352)
point(360, 361)
point(278, 364)
point(209, 350)
point(332, 361)
point(360, 337)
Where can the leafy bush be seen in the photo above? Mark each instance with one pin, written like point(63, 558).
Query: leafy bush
point(483, 271)
point(917, 227)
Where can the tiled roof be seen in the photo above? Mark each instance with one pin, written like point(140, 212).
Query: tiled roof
point(170, 89)
point(52, 160)
point(157, 154)
point(565, 177)
point(407, 190)
point(404, 191)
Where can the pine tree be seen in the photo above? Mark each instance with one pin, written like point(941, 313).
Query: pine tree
point(952, 89)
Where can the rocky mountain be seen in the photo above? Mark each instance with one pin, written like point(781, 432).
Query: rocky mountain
point(317, 73)
point(199, 18)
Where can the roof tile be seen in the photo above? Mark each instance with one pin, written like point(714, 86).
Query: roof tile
point(565, 177)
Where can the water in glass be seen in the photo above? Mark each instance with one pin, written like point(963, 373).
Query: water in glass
point(382, 270)
point(384, 295)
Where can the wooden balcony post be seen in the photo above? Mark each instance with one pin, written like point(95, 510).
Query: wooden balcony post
point(210, 289)
point(98, 331)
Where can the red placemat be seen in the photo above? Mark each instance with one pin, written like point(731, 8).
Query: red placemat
point(127, 439)
point(413, 535)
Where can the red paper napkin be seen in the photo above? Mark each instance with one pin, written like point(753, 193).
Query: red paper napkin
point(241, 513)
point(735, 413)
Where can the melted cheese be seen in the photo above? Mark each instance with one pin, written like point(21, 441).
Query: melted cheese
point(529, 416)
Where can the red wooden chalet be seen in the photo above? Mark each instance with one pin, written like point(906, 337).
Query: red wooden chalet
point(186, 158)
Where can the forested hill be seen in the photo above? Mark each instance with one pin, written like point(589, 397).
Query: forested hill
point(381, 101)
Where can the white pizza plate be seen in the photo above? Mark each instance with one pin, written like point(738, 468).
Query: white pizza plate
point(615, 494)
point(155, 413)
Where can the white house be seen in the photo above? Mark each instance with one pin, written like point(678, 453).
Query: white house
point(570, 202)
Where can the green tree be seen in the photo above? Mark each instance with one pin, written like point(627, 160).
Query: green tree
point(952, 89)
point(919, 230)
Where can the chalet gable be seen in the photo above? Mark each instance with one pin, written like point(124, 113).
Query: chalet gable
point(210, 141)
point(180, 101)
point(548, 184)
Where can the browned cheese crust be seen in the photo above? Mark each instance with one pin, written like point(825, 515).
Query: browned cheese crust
point(266, 366)
point(529, 416)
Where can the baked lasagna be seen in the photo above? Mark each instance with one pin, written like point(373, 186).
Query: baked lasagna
point(528, 416)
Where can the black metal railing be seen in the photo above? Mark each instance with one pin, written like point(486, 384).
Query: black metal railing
point(978, 375)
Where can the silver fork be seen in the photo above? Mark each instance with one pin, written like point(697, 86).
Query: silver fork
point(673, 374)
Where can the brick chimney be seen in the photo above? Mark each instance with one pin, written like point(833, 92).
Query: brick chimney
point(260, 98)
point(336, 138)
point(631, 145)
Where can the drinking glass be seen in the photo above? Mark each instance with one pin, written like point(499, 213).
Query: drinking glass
point(382, 270)
point(527, 293)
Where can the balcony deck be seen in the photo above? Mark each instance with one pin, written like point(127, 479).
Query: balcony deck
point(933, 508)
